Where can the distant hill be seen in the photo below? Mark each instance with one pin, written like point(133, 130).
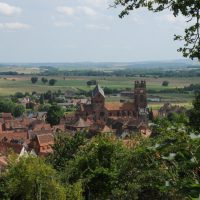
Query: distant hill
point(112, 65)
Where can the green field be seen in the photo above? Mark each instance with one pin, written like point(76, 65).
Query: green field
point(12, 84)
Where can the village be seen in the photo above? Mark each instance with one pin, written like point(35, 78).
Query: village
point(31, 134)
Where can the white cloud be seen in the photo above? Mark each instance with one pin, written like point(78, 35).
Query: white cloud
point(14, 26)
point(80, 10)
point(87, 11)
point(63, 24)
point(97, 3)
point(97, 27)
point(66, 10)
point(9, 10)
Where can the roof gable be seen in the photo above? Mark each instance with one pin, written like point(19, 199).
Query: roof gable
point(45, 139)
point(98, 90)
point(81, 124)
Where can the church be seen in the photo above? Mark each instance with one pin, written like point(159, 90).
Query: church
point(119, 116)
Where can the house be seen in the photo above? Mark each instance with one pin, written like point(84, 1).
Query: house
point(6, 116)
point(168, 109)
point(42, 144)
point(38, 125)
point(78, 125)
point(58, 128)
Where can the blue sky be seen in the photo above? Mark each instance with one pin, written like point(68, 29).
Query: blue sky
point(84, 30)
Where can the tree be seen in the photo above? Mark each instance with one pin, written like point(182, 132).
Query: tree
point(19, 95)
point(91, 82)
point(65, 148)
point(4, 195)
point(31, 178)
point(97, 165)
point(54, 115)
point(34, 79)
point(163, 167)
point(44, 80)
point(190, 9)
point(6, 106)
point(52, 82)
point(165, 83)
point(41, 99)
point(194, 114)
point(75, 191)
point(18, 110)
point(44, 107)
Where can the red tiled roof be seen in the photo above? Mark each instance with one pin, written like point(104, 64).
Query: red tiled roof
point(45, 139)
point(7, 115)
point(14, 135)
point(6, 146)
point(119, 106)
point(42, 126)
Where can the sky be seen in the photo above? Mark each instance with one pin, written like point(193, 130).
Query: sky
point(84, 30)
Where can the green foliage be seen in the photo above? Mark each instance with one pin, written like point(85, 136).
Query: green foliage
point(41, 99)
point(164, 167)
point(194, 115)
point(44, 80)
point(44, 107)
point(19, 95)
point(65, 149)
point(190, 9)
point(52, 82)
point(97, 165)
point(6, 106)
point(91, 82)
point(75, 191)
point(165, 83)
point(4, 195)
point(34, 79)
point(18, 110)
point(54, 115)
point(31, 178)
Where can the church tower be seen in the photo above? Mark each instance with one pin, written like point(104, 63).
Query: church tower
point(140, 97)
point(98, 97)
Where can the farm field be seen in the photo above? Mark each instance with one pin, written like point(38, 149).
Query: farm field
point(12, 84)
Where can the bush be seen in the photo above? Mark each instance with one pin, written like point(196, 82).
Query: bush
point(52, 82)
point(165, 83)
point(91, 82)
point(54, 115)
point(34, 79)
point(18, 110)
point(19, 95)
point(44, 80)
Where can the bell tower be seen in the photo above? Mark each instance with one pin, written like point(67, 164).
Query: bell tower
point(140, 97)
point(98, 97)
